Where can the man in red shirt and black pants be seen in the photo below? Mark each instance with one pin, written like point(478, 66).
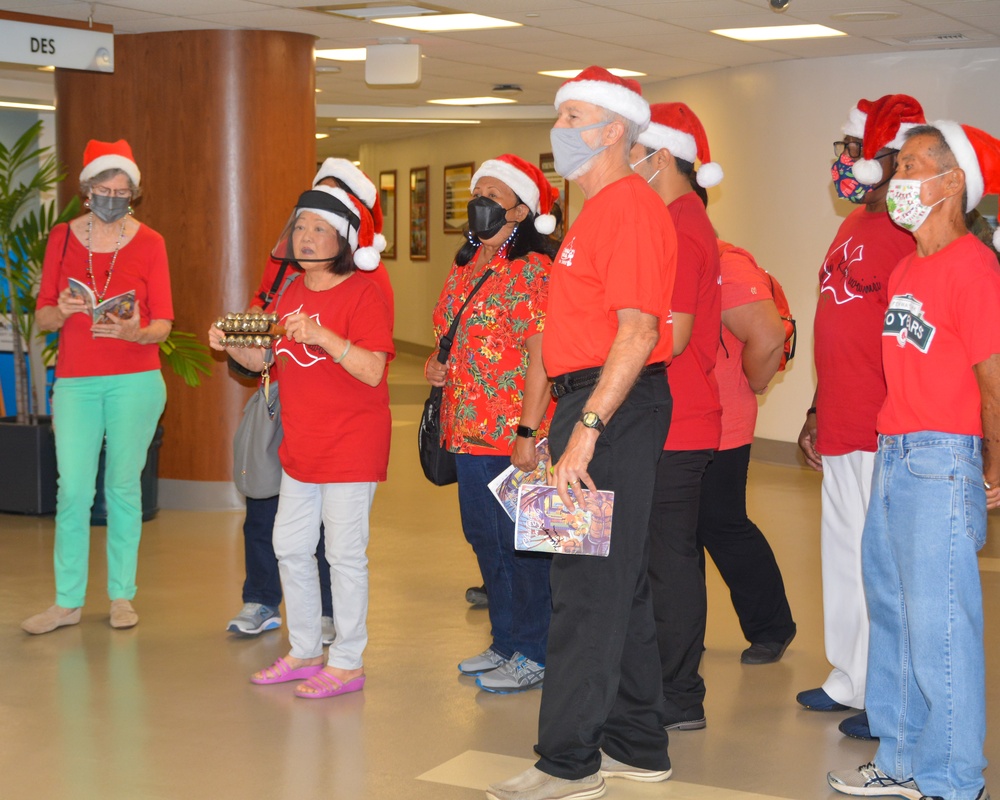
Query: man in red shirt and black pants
point(606, 347)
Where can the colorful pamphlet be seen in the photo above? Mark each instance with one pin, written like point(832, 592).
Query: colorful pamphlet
point(543, 524)
point(121, 305)
point(505, 485)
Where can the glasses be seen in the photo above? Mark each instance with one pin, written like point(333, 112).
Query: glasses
point(104, 191)
point(853, 149)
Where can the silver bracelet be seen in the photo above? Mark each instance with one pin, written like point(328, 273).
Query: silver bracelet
point(342, 355)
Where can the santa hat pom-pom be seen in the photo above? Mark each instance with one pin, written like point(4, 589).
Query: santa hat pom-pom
point(709, 175)
point(366, 258)
point(868, 172)
point(996, 240)
point(379, 242)
point(545, 224)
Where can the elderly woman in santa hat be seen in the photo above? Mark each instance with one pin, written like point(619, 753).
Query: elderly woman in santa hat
point(331, 361)
point(496, 397)
point(108, 387)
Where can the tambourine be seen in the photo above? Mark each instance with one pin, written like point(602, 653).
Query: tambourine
point(249, 330)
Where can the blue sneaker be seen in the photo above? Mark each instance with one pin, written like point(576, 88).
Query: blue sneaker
point(516, 675)
point(857, 727)
point(254, 618)
point(818, 700)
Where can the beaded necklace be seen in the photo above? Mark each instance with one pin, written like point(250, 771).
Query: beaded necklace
point(90, 257)
point(501, 252)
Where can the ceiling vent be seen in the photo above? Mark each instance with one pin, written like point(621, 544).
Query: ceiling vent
point(936, 40)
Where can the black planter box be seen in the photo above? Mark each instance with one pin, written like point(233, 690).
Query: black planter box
point(27, 467)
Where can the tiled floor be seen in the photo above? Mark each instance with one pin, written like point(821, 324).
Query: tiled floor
point(165, 712)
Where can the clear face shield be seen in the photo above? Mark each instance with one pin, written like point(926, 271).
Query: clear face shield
point(310, 234)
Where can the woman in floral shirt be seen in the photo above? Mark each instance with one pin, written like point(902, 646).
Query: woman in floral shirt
point(495, 402)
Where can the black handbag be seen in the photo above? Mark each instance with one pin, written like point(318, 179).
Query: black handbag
point(436, 460)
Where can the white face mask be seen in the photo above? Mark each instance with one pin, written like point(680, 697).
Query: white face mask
point(637, 163)
point(906, 208)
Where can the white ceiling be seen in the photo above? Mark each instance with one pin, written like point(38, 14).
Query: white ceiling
point(664, 38)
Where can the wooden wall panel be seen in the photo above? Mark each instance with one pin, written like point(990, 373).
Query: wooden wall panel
point(222, 125)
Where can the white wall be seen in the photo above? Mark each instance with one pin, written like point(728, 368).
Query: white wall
point(771, 127)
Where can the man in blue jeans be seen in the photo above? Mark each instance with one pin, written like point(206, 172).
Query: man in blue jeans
point(937, 470)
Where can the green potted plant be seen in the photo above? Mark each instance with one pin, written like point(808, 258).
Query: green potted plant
point(27, 171)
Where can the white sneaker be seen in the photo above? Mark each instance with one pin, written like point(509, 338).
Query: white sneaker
point(533, 784)
point(869, 781)
point(254, 618)
point(613, 768)
point(329, 632)
point(516, 675)
point(486, 661)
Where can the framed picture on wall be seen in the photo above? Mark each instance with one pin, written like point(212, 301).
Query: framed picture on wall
point(457, 195)
point(387, 200)
point(419, 210)
point(546, 163)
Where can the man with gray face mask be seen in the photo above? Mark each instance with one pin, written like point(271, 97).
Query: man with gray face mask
point(607, 343)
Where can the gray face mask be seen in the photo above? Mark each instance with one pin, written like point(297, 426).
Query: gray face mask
point(108, 208)
point(569, 151)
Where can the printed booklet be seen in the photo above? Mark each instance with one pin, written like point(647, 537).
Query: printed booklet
point(121, 305)
point(544, 525)
point(504, 486)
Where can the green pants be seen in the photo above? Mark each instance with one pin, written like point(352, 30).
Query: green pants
point(124, 411)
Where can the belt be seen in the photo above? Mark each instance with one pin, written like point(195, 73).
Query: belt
point(582, 378)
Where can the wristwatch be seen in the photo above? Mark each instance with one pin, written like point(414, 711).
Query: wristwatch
point(525, 432)
point(590, 419)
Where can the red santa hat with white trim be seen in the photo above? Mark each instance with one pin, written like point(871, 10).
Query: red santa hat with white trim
point(528, 182)
point(978, 154)
point(675, 128)
point(101, 156)
point(886, 123)
point(598, 86)
point(856, 118)
point(350, 217)
point(358, 184)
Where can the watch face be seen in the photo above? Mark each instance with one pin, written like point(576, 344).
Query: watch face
point(590, 419)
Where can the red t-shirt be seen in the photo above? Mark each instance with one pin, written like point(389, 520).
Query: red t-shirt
point(847, 328)
point(141, 265)
point(380, 276)
point(742, 283)
point(941, 322)
point(696, 422)
point(336, 427)
point(620, 252)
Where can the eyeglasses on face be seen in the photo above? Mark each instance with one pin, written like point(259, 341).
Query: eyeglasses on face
point(106, 191)
point(853, 149)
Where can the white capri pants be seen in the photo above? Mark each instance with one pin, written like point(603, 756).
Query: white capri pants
point(847, 485)
point(344, 509)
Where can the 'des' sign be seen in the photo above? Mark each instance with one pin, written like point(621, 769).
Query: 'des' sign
point(56, 46)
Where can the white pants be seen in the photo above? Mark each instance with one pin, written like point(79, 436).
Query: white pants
point(344, 509)
point(847, 483)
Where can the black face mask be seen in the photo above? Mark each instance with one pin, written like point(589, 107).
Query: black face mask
point(486, 217)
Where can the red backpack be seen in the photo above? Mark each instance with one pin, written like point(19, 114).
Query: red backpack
point(780, 301)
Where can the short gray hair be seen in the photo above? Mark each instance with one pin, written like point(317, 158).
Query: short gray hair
point(86, 186)
point(632, 129)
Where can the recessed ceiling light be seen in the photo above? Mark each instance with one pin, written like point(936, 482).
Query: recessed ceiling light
point(774, 33)
point(866, 16)
point(343, 54)
point(366, 12)
point(410, 121)
point(30, 106)
point(572, 73)
point(472, 101)
point(442, 23)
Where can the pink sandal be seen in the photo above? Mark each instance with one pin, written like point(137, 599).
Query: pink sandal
point(326, 685)
point(282, 672)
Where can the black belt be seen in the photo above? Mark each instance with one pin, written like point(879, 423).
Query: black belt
point(582, 378)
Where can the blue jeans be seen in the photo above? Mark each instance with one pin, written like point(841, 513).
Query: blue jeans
point(262, 584)
point(517, 583)
point(926, 692)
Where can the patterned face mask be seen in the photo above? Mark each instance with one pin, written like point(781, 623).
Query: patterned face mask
point(848, 187)
point(905, 206)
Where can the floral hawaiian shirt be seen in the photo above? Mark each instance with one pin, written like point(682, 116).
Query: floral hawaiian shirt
point(482, 396)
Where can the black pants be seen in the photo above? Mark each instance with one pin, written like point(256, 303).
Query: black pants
point(602, 682)
point(678, 582)
point(740, 551)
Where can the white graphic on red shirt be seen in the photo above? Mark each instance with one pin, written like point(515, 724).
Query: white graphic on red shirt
point(567, 253)
point(836, 273)
point(302, 354)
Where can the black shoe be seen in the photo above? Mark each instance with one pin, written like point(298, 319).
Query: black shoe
point(476, 596)
point(765, 652)
point(856, 727)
